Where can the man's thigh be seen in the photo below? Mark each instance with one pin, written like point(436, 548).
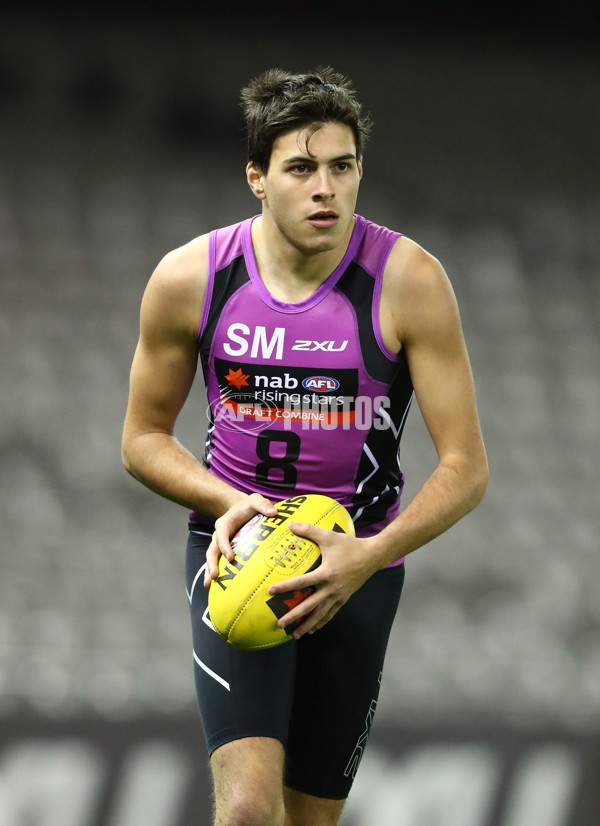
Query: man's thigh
point(241, 694)
point(338, 676)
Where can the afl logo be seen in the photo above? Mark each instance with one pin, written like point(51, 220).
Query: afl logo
point(322, 384)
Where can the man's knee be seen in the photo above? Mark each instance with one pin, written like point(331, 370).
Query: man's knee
point(249, 807)
point(247, 779)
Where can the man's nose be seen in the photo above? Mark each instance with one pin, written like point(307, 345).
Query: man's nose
point(324, 188)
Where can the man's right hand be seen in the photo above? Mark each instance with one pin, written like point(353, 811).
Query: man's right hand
point(228, 525)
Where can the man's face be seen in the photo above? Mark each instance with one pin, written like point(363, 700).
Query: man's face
point(310, 192)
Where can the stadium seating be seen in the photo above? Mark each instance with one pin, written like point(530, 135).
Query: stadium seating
point(101, 176)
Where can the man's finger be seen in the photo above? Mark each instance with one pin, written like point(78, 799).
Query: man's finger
point(262, 505)
point(302, 609)
point(221, 538)
point(305, 529)
point(211, 571)
point(312, 622)
point(296, 583)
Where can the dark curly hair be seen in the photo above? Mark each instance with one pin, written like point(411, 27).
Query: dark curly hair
point(278, 101)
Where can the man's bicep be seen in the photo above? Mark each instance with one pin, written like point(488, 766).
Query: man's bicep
point(442, 376)
point(161, 377)
point(166, 357)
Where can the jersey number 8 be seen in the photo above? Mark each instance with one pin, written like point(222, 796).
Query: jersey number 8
point(277, 471)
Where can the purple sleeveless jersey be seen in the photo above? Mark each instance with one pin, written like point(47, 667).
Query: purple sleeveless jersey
point(306, 397)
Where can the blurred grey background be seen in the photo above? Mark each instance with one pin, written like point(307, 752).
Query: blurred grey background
point(120, 139)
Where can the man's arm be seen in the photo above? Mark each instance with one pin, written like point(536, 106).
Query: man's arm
point(429, 329)
point(420, 314)
point(162, 373)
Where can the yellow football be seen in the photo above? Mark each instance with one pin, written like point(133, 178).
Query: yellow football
point(266, 551)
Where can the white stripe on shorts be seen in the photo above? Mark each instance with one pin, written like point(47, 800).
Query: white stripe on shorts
point(210, 672)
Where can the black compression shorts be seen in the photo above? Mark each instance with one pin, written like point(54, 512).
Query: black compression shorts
point(316, 695)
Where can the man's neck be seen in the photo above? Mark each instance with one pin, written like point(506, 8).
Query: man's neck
point(289, 274)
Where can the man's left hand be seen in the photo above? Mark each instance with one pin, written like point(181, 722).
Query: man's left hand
point(346, 565)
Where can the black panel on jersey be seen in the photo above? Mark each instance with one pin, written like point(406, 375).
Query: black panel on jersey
point(358, 286)
point(226, 282)
point(381, 489)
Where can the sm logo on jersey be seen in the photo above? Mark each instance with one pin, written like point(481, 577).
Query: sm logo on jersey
point(265, 346)
point(261, 345)
point(320, 384)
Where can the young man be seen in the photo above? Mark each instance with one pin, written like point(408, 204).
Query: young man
point(313, 326)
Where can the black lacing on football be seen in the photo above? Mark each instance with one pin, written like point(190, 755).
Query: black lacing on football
point(287, 551)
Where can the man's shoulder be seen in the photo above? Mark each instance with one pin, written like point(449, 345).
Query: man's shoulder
point(411, 266)
point(186, 262)
point(403, 254)
point(176, 289)
point(414, 281)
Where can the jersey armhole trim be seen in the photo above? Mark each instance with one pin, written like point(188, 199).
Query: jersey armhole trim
point(210, 280)
point(377, 297)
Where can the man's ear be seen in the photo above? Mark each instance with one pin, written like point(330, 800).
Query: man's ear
point(255, 179)
point(359, 165)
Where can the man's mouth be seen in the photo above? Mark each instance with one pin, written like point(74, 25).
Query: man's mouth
point(323, 218)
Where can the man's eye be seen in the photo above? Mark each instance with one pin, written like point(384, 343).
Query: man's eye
point(301, 168)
